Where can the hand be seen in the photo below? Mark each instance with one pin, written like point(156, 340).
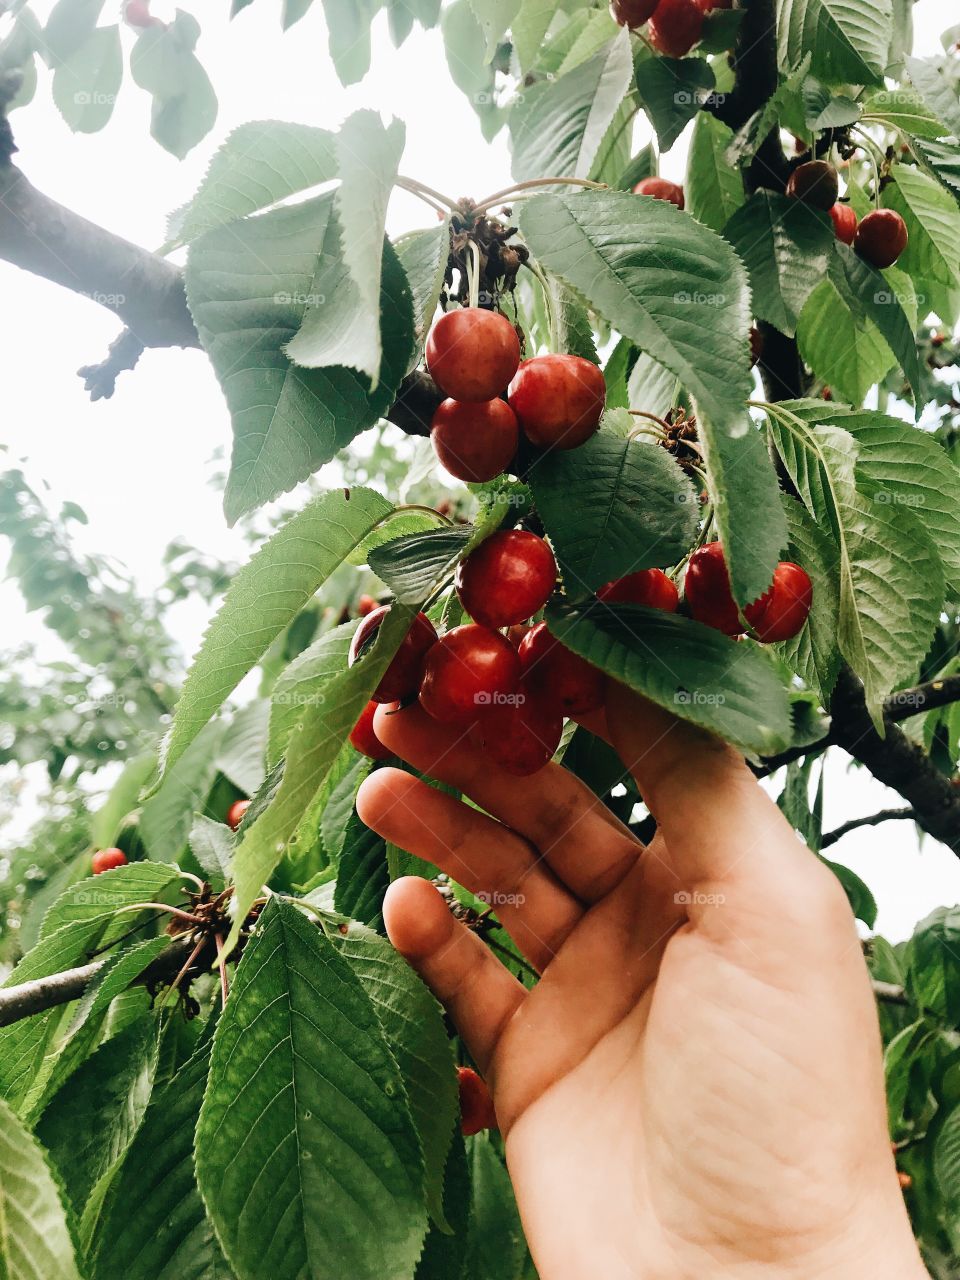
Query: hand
point(694, 1088)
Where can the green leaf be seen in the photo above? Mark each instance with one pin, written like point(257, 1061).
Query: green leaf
point(642, 165)
point(362, 874)
point(169, 1237)
point(843, 349)
point(414, 1026)
point(713, 187)
point(651, 386)
point(36, 1239)
point(302, 683)
point(559, 126)
point(92, 1119)
point(813, 654)
point(411, 566)
point(902, 109)
point(823, 110)
point(849, 39)
point(672, 287)
point(249, 286)
point(86, 84)
point(944, 159)
point(672, 92)
point(212, 844)
point(167, 816)
point(786, 246)
point(423, 256)
point(348, 30)
point(470, 71)
point(933, 224)
point(689, 669)
point(745, 492)
point(873, 296)
point(338, 810)
point(912, 470)
point(748, 139)
point(496, 1249)
point(933, 968)
point(243, 753)
point(635, 509)
point(311, 754)
point(444, 1254)
point(495, 17)
point(862, 902)
point(938, 83)
point(891, 581)
point(305, 1094)
point(368, 156)
point(259, 164)
point(264, 597)
point(95, 899)
point(121, 799)
point(529, 28)
point(946, 1159)
point(184, 104)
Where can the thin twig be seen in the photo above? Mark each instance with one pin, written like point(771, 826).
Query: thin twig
point(222, 966)
point(871, 820)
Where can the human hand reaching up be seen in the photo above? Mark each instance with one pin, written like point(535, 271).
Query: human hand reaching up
point(694, 1087)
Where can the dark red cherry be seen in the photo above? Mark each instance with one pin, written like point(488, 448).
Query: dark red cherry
point(466, 672)
point(508, 579)
point(475, 440)
point(472, 353)
point(401, 680)
point(556, 673)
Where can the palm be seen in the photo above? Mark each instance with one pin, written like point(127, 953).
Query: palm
point(703, 1019)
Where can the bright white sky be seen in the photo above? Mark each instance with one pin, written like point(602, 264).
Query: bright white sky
point(140, 464)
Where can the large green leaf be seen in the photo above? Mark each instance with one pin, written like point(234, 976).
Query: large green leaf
point(672, 92)
point(86, 84)
point(414, 1026)
point(362, 874)
point(169, 1237)
point(713, 187)
point(167, 816)
point(445, 1251)
point(184, 103)
point(469, 69)
point(411, 565)
point(635, 509)
point(348, 31)
point(95, 899)
point(306, 1150)
point(891, 580)
point(70, 24)
point(529, 27)
point(871, 295)
point(845, 350)
point(259, 164)
point(35, 1241)
point(933, 224)
point(674, 288)
point(302, 683)
point(496, 1249)
point(814, 654)
point(91, 1120)
point(933, 966)
point(423, 256)
point(786, 246)
point(944, 159)
point(902, 109)
point(700, 675)
point(249, 286)
point(938, 83)
point(849, 39)
point(744, 489)
point(243, 753)
point(344, 329)
point(495, 17)
point(311, 754)
point(558, 128)
point(264, 597)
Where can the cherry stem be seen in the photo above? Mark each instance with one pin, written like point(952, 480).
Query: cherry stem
point(222, 965)
point(183, 972)
point(417, 506)
point(873, 151)
point(163, 906)
point(550, 301)
point(435, 198)
point(188, 875)
point(473, 274)
point(650, 432)
point(531, 184)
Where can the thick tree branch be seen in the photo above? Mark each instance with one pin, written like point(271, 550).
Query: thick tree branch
point(60, 988)
point(922, 697)
point(871, 820)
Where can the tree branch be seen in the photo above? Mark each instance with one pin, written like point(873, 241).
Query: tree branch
point(889, 992)
point(871, 820)
point(922, 697)
point(60, 988)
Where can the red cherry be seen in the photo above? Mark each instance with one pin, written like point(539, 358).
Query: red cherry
point(756, 344)
point(522, 733)
point(707, 589)
point(781, 611)
point(472, 354)
point(709, 5)
point(476, 1105)
point(844, 222)
point(558, 400)
point(881, 237)
point(650, 587)
point(660, 189)
point(632, 13)
point(365, 605)
point(675, 27)
point(235, 813)
point(815, 183)
point(107, 859)
point(553, 671)
point(363, 738)
point(475, 440)
point(507, 579)
point(136, 13)
point(467, 670)
point(401, 679)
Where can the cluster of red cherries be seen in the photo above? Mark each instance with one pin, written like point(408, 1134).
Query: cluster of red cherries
point(510, 685)
point(674, 26)
point(879, 238)
point(473, 356)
